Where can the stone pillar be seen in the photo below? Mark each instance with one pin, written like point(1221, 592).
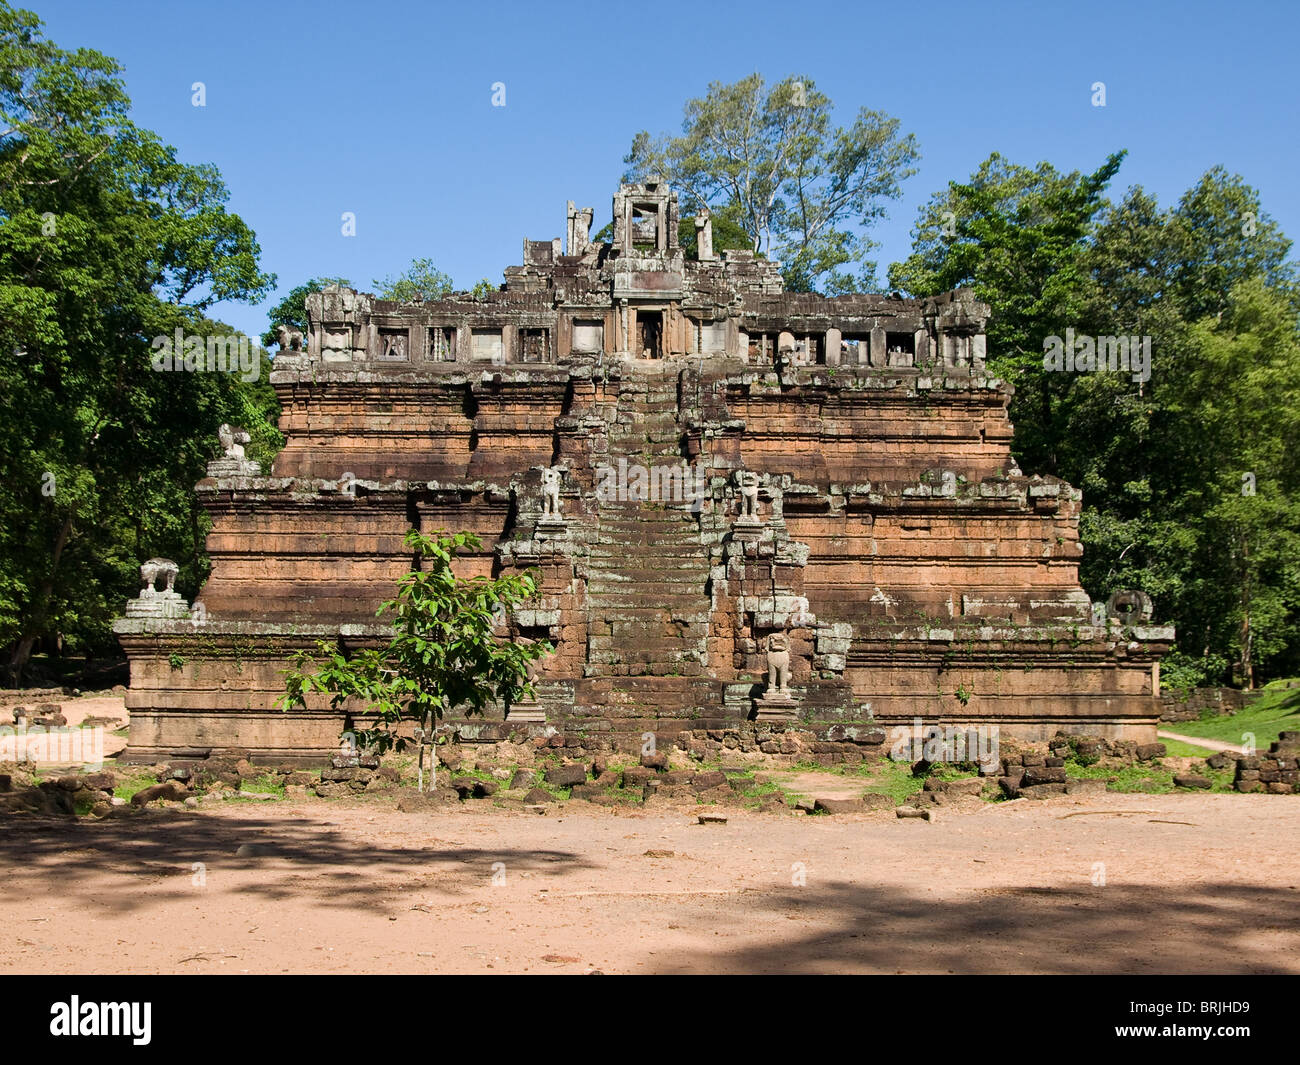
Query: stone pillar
point(704, 236)
point(879, 356)
point(785, 346)
point(834, 340)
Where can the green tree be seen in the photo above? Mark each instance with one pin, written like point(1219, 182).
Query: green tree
point(772, 161)
point(418, 282)
point(444, 653)
point(292, 310)
point(107, 240)
point(1019, 238)
point(1162, 462)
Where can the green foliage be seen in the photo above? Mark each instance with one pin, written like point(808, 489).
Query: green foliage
point(771, 163)
point(482, 289)
point(1017, 237)
point(444, 653)
point(728, 233)
point(107, 240)
point(1161, 462)
point(1275, 709)
point(418, 282)
point(292, 310)
point(266, 784)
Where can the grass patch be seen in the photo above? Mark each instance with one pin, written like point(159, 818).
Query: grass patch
point(266, 784)
point(1147, 778)
point(1179, 749)
point(624, 798)
point(893, 779)
point(127, 788)
point(1275, 710)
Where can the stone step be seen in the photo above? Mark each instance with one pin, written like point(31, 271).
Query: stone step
point(629, 616)
point(659, 656)
point(619, 579)
point(660, 522)
point(618, 557)
point(639, 669)
point(663, 548)
point(675, 529)
point(639, 562)
point(640, 686)
point(651, 596)
point(614, 584)
point(629, 513)
point(647, 567)
point(608, 614)
point(635, 513)
point(649, 631)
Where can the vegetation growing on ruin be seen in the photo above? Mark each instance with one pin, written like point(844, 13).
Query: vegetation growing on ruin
point(447, 650)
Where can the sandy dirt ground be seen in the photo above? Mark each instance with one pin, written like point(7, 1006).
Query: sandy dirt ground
point(107, 708)
point(1189, 883)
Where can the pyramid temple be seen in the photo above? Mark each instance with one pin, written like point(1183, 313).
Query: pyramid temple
point(743, 504)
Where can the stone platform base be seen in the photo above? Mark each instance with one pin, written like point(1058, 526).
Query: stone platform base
point(198, 689)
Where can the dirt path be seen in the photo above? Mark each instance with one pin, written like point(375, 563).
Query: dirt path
point(1200, 741)
point(1192, 883)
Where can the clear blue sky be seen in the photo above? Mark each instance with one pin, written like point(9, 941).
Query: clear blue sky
point(384, 108)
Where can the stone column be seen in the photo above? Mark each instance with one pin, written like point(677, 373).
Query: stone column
point(834, 338)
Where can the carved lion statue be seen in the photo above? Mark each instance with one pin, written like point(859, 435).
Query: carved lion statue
point(551, 492)
point(290, 339)
point(232, 440)
point(778, 662)
point(152, 570)
point(1129, 607)
point(747, 481)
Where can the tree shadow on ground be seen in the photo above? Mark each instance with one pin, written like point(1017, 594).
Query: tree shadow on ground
point(1203, 928)
point(307, 858)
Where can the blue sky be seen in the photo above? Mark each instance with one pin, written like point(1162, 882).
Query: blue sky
point(385, 108)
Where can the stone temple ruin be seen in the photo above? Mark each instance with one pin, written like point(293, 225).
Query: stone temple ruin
point(743, 503)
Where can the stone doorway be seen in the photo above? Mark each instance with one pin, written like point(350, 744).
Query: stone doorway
point(650, 331)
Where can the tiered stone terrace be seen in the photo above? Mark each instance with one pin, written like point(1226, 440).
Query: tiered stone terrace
point(914, 570)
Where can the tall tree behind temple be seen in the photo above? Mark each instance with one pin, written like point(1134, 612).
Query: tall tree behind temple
point(772, 162)
point(106, 242)
point(1163, 463)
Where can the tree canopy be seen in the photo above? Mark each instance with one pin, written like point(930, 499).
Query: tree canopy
point(1188, 493)
point(107, 241)
point(773, 163)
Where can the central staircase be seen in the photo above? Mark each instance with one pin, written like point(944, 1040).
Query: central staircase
point(647, 586)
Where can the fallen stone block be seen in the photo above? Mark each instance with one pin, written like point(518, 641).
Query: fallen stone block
point(171, 790)
point(566, 776)
point(538, 795)
point(838, 806)
point(1041, 791)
